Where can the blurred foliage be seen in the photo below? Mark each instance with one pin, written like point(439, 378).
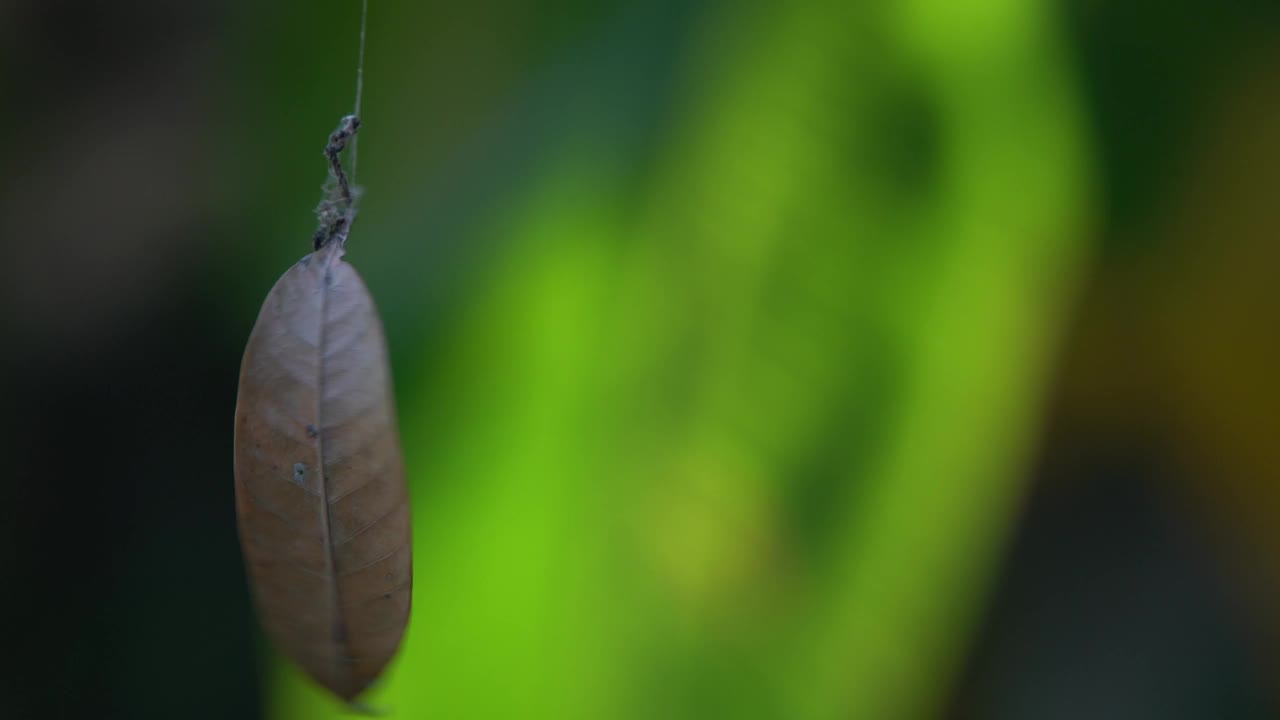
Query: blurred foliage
point(873, 360)
point(720, 333)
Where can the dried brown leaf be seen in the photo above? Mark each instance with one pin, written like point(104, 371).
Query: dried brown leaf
point(320, 490)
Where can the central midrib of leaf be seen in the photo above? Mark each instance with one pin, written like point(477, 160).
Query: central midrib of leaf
point(339, 628)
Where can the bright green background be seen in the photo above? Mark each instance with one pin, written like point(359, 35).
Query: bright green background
point(720, 333)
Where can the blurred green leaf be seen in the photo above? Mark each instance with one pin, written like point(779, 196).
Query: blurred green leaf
point(725, 415)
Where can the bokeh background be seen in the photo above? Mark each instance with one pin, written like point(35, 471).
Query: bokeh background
point(823, 360)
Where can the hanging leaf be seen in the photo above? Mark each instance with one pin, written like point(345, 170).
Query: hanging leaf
point(320, 491)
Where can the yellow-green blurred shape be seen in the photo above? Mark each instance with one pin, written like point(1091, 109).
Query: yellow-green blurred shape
point(744, 439)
